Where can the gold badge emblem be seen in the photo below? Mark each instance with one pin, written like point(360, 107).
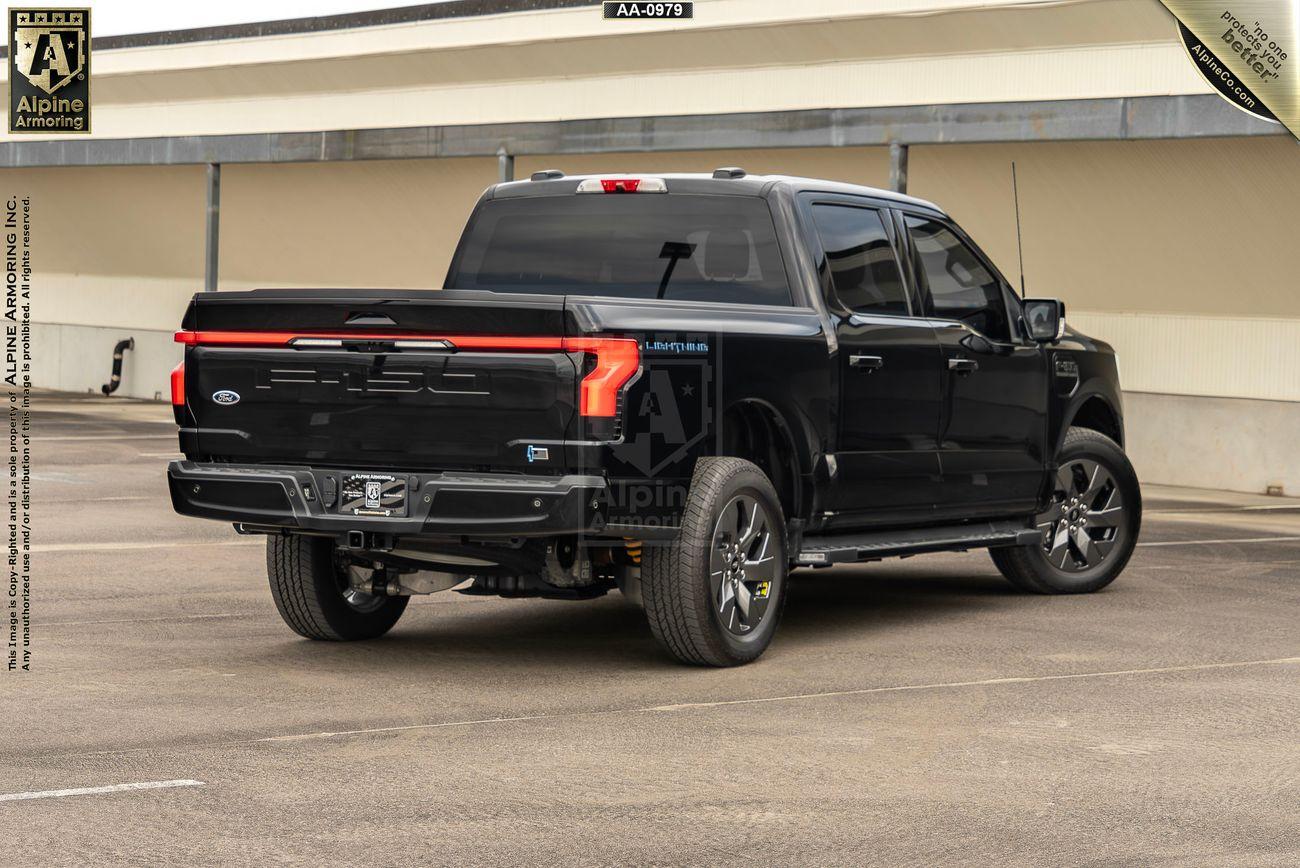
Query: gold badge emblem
point(49, 70)
point(50, 47)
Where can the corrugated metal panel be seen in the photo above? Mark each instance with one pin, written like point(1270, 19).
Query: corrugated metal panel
point(1231, 357)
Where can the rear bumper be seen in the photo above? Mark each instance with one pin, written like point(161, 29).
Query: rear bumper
point(474, 504)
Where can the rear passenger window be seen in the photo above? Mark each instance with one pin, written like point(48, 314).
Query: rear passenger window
point(860, 256)
point(958, 284)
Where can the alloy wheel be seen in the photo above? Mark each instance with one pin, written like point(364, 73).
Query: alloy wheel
point(1085, 518)
point(742, 564)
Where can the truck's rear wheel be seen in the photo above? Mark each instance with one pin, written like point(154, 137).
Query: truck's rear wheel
point(315, 597)
point(1089, 528)
point(714, 595)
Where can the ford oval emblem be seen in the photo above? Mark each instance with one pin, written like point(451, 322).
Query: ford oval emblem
point(225, 396)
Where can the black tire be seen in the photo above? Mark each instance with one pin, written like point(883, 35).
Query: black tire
point(308, 586)
point(1031, 568)
point(676, 578)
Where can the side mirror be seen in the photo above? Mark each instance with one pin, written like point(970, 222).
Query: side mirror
point(1044, 319)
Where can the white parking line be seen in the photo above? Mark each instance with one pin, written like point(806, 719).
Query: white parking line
point(127, 546)
point(1210, 542)
point(986, 682)
point(1201, 510)
point(92, 791)
point(791, 697)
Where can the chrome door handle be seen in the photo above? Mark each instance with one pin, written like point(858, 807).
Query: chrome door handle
point(867, 363)
point(963, 366)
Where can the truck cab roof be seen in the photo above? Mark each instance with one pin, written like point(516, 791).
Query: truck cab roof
point(706, 184)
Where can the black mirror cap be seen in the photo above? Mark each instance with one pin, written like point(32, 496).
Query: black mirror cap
point(1044, 318)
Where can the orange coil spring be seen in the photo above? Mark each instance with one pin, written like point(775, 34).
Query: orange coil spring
point(633, 549)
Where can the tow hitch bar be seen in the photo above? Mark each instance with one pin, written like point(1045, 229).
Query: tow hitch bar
point(369, 541)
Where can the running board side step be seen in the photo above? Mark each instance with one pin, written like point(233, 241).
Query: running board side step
point(847, 548)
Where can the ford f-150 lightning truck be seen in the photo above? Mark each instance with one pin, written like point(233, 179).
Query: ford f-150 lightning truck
point(680, 386)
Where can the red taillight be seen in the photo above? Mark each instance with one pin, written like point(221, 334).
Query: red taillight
point(620, 185)
point(178, 385)
point(617, 361)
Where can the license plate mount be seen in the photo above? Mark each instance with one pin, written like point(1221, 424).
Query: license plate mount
point(381, 494)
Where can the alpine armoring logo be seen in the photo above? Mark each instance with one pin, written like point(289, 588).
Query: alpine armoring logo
point(667, 416)
point(49, 71)
point(670, 412)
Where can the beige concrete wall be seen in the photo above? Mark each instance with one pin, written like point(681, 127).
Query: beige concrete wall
point(78, 358)
point(1189, 354)
point(391, 223)
point(1189, 226)
point(117, 252)
point(1232, 444)
point(1178, 252)
point(113, 246)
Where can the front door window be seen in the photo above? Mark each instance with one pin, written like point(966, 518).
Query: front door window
point(957, 283)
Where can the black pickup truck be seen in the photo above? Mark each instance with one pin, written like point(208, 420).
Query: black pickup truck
point(680, 386)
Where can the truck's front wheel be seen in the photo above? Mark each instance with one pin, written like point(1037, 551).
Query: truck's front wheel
point(714, 595)
point(1090, 525)
point(315, 597)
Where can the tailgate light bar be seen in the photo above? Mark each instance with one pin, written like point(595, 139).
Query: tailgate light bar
point(309, 340)
point(617, 360)
point(622, 185)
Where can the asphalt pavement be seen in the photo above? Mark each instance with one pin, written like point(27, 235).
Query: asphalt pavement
point(909, 712)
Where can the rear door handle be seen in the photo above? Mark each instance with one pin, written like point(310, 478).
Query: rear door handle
point(868, 363)
point(963, 366)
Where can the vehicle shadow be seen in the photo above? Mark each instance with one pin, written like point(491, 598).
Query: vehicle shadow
point(865, 597)
point(611, 633)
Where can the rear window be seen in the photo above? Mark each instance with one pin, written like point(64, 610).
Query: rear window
point(628, 245)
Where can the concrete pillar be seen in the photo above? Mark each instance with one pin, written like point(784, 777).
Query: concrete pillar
point(213, 228)
point(505, 165)
point(898, 167)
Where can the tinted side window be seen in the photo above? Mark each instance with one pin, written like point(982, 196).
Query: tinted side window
point(959, 286)
point(864, 270)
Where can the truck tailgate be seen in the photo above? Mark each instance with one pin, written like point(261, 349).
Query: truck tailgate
point(432, 380)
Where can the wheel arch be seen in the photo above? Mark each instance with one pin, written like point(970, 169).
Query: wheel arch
point(754, 429)
point(1097, 412)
